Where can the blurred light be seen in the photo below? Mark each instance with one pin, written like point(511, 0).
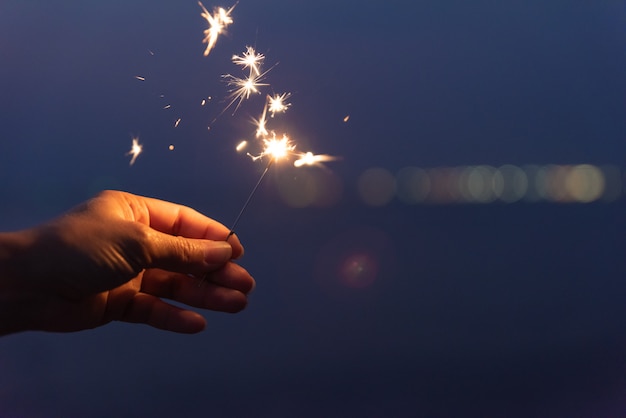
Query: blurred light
point(413, 185)
point(359, 270)
point(444, 185)
point(320, 188)
point(477, 183)
point(171, 147)
point(347, 118)
point(510, 183)
point(354, 260)
point(562, 183)
point(297, 191)
point(613, 183)
point(376, 186)
point(584, 183)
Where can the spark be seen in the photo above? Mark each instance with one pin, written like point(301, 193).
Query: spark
point(140, 78)
point(135, 150)
point(308, 158)
point(171, 147)
point(277, 103)
point(241, 146)
point(167, 106)
point(218, 22)
point(243, 88)
point(347, 118)
point(203, 102)
point(249, 59)
point(177, 122)
point(261, 131)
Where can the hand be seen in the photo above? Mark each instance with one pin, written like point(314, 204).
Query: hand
point(112, 259)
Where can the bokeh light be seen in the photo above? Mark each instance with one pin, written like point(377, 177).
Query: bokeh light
point(355, 259)
point(376, 186)
point(483, 184)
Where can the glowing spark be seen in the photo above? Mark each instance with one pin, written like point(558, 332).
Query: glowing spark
point(308, 158)
point(177, 123)
point(243, 88)
point(218, 21)
point(135, 150)
point(167, 106)
point(249, 59)
point(261, 131)
point(275, 148)
point(347, 118)
point(277, 103)
point(171, 147)
point(241, 146)
point(140, 78)
point(150, 52)
point(203, 102)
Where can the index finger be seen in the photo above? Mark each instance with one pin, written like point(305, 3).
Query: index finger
point(175, 219)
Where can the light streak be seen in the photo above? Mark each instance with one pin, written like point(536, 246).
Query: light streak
point(347, 118)
point(135, 150)
point(249, 59)
point(277, 104)
point(308, 158)
point(218, 22)
point(261, 130)
point(140, 78)
point(241, 146)
point(177, 122)
point(167, 106)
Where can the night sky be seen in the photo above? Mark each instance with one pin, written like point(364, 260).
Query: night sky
point(464, 255)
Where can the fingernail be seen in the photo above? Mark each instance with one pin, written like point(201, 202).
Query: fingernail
point(217, 252)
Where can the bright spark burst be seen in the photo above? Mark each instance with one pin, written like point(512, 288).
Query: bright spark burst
point(135, 150)
point(218, 22)
point(243, 88)
point(308, 158)
point(276, 148)
point(277, 103)
point(250, 59)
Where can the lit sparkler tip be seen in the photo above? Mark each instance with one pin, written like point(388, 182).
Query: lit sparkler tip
point(277, 148)
point(135, 150)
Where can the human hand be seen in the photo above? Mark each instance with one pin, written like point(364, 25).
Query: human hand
point(112, 259)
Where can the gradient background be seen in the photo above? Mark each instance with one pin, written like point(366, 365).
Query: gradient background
point(429, 310)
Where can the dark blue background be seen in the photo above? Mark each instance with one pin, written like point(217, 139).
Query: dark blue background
point(475, 309)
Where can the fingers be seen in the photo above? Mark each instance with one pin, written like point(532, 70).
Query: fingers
point(148, 309)
point(185, 255)
point(224, 290)
point(174, 219)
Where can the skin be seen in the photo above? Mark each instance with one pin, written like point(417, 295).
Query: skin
point(115, 258)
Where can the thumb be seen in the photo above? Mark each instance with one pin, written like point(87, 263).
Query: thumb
point(186, 255)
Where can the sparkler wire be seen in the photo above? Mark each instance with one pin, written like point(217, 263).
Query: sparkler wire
point(243, 209)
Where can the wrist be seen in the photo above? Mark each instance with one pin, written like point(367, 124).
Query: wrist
point(14, 262)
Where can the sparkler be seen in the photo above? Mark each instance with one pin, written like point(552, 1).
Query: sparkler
point(276, 149)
